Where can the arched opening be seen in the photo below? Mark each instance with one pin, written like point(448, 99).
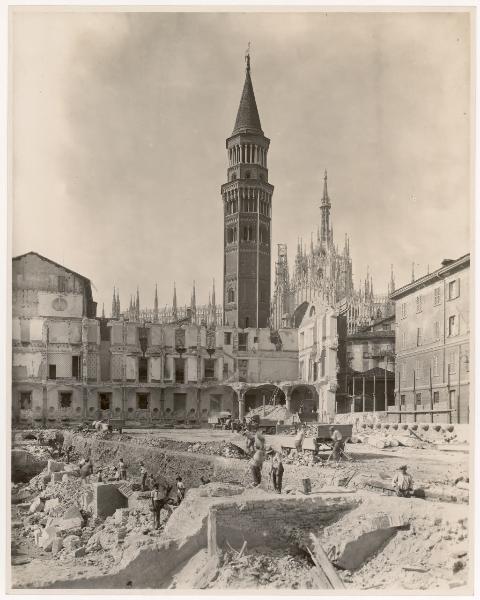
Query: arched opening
point(231, 295)
point(312, 311)
point(304, 401)
point(270, 395)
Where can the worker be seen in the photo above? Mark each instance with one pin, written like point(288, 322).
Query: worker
point(159, 499)
point(260, 440)
point(337, 439)
point(150, 481)
point(204, 480)
point(249, 441)
point(256, 467)
point(85, 471)
point(143, 475)
point(122, 467)
point(180, 489)
point(99, 475)
point(277, 472)
point(403, 482)
point(299, 439)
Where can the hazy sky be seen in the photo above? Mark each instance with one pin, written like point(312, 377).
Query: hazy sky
point(120, 122)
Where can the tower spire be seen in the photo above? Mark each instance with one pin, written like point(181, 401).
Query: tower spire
point(391, 285)
point(248, 119)
point(174, 308)
point(193, 303)
point(155, 306)
point(325, 234)
point(214, 305)
point(114, 305)
point(118, 303)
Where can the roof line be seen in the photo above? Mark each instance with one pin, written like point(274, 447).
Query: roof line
point(51, 262)
point(410, 287)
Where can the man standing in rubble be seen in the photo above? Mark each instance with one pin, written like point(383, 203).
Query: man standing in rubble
point(299, 439)
point(122, 469)
point(159, 500)
point(143, 475)
point(337, 439)
point(256, 467)
point(403, 482)
point(277, 472)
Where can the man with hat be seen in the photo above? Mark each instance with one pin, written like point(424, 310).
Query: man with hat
point(403, 482)
point(337, 438)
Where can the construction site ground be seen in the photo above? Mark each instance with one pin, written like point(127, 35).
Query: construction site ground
point(432, 553)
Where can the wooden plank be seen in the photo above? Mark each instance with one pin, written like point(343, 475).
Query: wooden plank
point(212, 533)
point(320, 579)
point(326, 565)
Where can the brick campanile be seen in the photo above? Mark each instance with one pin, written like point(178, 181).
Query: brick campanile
point(247, 209)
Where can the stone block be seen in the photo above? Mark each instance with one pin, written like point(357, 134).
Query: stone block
point(37, 505)
point(79, 552)
point(121, 516)
point(106, 499)
point(72, 519)
point(54, 466)
point(57, 545)
point(47, 538)
point(71, 542)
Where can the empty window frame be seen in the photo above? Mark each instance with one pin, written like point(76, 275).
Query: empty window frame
point(65, 399)
point(142, 401)
point(25, 400)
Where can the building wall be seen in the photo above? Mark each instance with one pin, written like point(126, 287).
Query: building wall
point(433, 360)
point(318, 345)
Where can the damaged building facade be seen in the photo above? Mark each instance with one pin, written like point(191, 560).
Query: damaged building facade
point(69, 365)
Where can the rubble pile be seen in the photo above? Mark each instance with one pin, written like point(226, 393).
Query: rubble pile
point(273, 413)
point(433, 554)
point(292, 457)
point(263, 568)
point(221, 448)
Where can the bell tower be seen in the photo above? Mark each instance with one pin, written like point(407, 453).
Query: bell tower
point(247, 209)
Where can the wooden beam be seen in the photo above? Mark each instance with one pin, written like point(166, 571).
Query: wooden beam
point(325, 564)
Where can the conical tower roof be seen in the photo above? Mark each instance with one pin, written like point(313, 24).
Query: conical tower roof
point(248, 120)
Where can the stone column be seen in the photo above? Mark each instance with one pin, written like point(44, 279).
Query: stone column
point(44, 404)
point(241, 403)
point(162, 402)
point(288, 399)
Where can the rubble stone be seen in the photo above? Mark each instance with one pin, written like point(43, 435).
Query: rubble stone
point(54, 467)
point(121, 516)
point(72, 519)
point(51, 503)
point(71, 542)
point(37, 505)
point(47, 538)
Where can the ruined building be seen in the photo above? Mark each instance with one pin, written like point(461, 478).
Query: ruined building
point(325, 273)
point(247, 209)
